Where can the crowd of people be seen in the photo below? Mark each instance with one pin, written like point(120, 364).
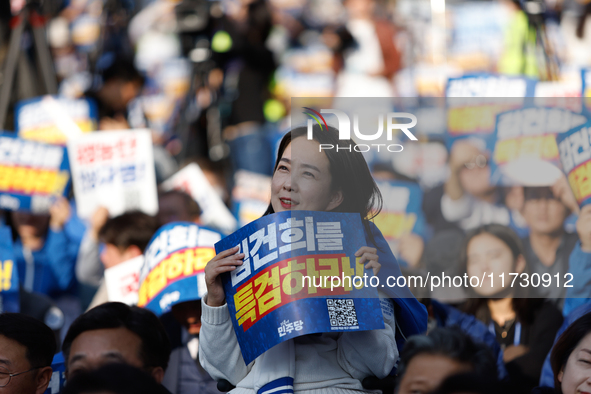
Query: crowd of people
point(213, 81)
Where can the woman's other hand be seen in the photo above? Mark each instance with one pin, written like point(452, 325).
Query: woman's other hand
point(369, 255)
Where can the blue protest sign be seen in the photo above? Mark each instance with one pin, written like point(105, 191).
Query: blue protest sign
point(54, 119)
point(58, 376)
point(32, 174)
point(575, 155)
point(173, 265)
point(401, 213)
point(9, 287)
point(525, 142)
point(285, 287)
point(473, 102)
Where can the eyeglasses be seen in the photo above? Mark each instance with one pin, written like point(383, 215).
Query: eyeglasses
point(479, 161)
point(5, 376)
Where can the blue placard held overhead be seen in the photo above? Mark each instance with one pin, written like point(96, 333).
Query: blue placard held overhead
point(575, 155)
point(525, 151)
point(32, 174)
point(473, 102)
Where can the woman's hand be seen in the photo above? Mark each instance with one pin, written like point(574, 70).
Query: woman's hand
point(225, 261)
point(370, 255)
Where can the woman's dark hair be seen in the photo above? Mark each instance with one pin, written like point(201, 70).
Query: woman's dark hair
point(113, 378)
point(155, 348)
point(523, 306)
point(566, 343)
point(450, 342)
point(349, 172)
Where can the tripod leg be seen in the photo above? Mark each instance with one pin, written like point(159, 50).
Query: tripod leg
point(43, 53)
point(10, 67)
point(26, 80)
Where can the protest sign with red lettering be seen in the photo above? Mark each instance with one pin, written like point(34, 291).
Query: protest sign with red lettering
point(114, 169)
point(123, 279)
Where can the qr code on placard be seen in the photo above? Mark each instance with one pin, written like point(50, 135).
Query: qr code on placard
point(341, 312)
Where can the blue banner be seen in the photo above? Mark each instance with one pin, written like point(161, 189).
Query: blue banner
point(473, 102)
point(524, 138)
point(575, 155)
point(401, 213)
point(284, 289)
point(32, 174)
point(58, 377)
point(173, 265)
point(9, 287)
point(50, 119)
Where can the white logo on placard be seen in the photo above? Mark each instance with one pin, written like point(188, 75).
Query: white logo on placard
point(287, 327)
point(168, 299)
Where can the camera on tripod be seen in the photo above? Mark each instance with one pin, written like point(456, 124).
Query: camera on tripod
point(535, 10)
point(192, 16)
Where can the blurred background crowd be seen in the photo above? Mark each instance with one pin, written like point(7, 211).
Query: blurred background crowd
point(213, 81)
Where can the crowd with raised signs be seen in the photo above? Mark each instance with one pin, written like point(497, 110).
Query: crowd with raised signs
point(176, 129)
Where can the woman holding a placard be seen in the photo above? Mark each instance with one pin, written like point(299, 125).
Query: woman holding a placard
point(306, 178)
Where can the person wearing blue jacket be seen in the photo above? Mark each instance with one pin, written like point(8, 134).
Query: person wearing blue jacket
point(45, 251)
point(579, 266)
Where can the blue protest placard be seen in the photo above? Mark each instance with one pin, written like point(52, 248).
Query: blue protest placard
point(401, 213)
point(473, 102)
point(58, 376)
point(32, 174)
point(575, 155)
point(173, 265)
point(54, 119)
point(525, 143)
point(284, 289)
point(9, 287)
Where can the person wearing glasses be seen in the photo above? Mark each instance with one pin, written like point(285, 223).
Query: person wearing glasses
point(27, 347)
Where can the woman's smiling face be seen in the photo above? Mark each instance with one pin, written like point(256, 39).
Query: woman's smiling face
point(302, 180)
point(575, 378)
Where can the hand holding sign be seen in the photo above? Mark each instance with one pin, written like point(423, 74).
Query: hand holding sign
point(564, 194)
point(98, 220)
point(59, 214)
point(365, 253)
point(225, 261)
